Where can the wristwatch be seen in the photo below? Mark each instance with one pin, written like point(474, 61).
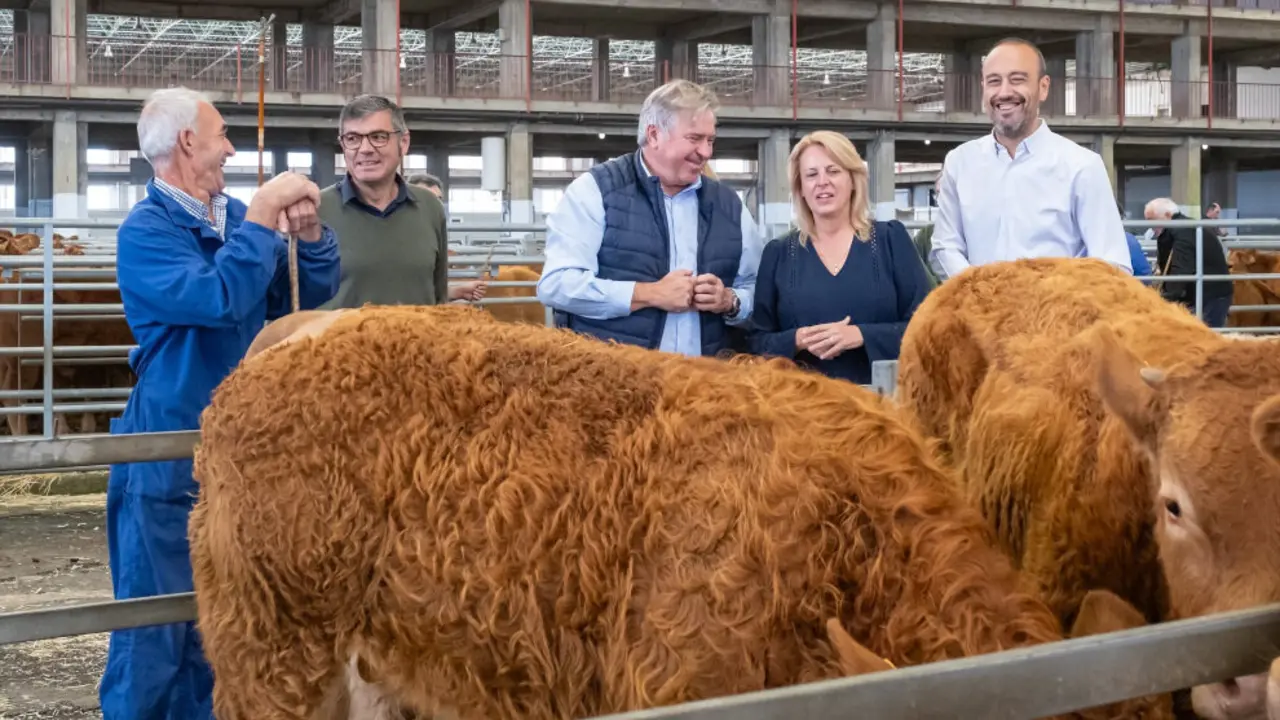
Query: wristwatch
point(735, 307)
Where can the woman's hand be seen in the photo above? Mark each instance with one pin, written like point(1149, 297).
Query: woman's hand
point(829, 340)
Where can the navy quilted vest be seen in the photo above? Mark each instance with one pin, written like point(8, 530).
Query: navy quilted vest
point(636, 248)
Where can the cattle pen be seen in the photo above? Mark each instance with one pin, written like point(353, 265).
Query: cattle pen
point(1032, 682)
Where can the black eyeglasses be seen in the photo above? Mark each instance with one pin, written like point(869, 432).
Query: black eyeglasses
point(377, 138)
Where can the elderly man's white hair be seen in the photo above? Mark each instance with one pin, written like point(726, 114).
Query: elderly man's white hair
point(1162, 207)
point(164, 115)
point(665, 103)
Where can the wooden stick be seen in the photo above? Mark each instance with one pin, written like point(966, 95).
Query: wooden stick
point(293, 272)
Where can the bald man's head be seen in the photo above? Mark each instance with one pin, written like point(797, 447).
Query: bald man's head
point(1014, 83)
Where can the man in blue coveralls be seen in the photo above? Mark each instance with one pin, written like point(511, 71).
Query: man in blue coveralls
point(199, 274)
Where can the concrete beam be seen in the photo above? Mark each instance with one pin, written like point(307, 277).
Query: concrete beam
point(1185, 89)
point(882, 52)
point(460, 16)
point(187, 11)
point(1105, 146)
point(339, 12)
point(514, 28)
point(829, 32)
point(707, 27)
point(747, 7)
point(1253, 57)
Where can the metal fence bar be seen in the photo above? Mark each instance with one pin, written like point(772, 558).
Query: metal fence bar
point(93, 618)
point(1039, 681)
point(63, 453)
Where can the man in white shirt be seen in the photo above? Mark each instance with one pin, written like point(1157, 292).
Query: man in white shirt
point(1022, 191)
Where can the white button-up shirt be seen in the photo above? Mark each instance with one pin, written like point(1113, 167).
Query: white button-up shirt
point(1053, 199)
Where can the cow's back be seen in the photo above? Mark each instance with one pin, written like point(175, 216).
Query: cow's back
point(605, 525)
point(998, 366)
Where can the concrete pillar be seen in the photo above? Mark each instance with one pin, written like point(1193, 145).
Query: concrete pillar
point(882, 63)
point(1095, 73)
point(675, 60)
point(67, 21)
point(40, 165)
point(1185, 91)
point(21, 178)
point(324, 149)
point(438, 164)
point(1056, 105)
point(70, 169)
point(278, 70)
point(31, 45)
point(317, 58)
point(520, 173)
point(513, 29)
point(1184, 170)
point(963, 88)
point(880, 166)
point(772, 178)
point(279, 161)
point(600, 70)
point(1105, 145)
point(1225, 99)
point(441, 47)
point(380, 33)
point(771, 56)
point(1221, 180)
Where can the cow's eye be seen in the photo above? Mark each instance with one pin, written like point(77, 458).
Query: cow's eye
point(1173, 508)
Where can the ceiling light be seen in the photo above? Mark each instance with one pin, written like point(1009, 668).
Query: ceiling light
point(601, 136)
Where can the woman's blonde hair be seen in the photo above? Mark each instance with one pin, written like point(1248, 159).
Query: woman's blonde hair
point(846, 156)
point(706, 170)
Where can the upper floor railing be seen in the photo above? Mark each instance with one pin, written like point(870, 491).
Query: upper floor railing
point(236, 69)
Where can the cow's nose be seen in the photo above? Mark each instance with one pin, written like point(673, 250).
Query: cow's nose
point(1242, 698)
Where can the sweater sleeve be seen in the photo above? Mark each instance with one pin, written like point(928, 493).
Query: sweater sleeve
point(767, 335)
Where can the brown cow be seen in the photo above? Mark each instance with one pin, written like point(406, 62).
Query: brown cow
point(1255, 292)
point(15, 332)
point(505, 521)
point(1001, 365)
point(532, 313)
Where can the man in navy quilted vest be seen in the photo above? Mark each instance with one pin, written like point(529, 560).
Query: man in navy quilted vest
point(644, 249)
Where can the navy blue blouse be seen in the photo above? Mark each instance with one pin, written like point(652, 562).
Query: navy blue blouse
point(879, 287)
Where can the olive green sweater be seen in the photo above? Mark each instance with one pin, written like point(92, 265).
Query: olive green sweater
point(399, 259)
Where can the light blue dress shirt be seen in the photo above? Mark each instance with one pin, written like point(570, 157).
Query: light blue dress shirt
point(575, 230)
point(1053, 199)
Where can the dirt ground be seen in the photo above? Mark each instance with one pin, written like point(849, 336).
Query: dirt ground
point(53, 551)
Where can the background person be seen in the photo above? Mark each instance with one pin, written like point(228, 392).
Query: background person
point(1176, 255)
point(836, 294)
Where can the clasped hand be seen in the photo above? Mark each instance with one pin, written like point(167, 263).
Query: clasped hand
point(828, 340)
point(288, 202)
point(680, 291)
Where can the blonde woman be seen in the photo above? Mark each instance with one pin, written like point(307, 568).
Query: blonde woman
point(836, 293)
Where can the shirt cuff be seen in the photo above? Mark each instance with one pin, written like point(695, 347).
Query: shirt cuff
point(620, 294)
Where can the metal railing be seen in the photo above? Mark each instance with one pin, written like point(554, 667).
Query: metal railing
point(1199, 278)
point(482, 246)
point(1038, 681)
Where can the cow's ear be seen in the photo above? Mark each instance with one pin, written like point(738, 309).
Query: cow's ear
point(1128, 389)
point(855, 658)
point(1266, 428)
point(1102, 611)
point(291, 328)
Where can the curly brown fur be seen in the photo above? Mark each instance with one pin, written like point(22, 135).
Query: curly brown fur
point(509, 521)
point(1001, 365)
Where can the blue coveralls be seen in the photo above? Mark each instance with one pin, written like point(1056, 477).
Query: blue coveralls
point(194, 303)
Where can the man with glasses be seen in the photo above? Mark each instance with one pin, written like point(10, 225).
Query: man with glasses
point(392, 236)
